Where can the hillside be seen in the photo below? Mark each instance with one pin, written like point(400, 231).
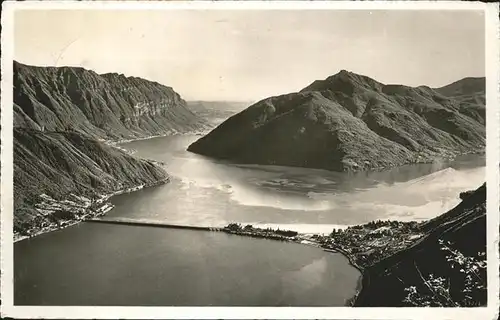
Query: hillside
point(350, 122)
point(464, 228)
point(62, 174)
point(467, 86)
point(64, 166)
point(108, 106)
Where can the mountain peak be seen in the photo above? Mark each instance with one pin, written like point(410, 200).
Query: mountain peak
point(345, 75)
point(343, 72)
point(343, 80)
point(348, 122)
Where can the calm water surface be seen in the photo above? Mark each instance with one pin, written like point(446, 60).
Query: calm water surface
point(93, 264)
point(207, 192)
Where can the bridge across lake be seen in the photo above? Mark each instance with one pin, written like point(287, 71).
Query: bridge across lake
point(157, 224)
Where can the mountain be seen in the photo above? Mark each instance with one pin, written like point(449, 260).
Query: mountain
point(467, 86)
point(350, 122)
point(216, 108)
point(464, 227)
point(216, 111)
point(108, 106)
point(62, 172)
point(64, 166)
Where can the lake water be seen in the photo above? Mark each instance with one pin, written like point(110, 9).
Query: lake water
point(206, 192)
point(97, 264)
point(94, 264)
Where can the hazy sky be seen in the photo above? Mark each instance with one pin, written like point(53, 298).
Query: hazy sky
point(249, 55)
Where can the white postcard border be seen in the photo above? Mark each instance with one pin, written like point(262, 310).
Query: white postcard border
point(492, 176)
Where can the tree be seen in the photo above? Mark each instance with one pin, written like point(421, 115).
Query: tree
point(468, 280)
point(234, 227)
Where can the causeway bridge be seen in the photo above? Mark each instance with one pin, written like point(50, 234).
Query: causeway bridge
point(157, 224)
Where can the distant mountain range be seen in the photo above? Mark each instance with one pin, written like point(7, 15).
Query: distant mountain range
point(350, 122)
point(215, 112)
point(221, 105)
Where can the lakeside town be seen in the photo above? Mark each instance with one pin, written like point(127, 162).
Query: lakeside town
point(364, 245)
point(59, 214)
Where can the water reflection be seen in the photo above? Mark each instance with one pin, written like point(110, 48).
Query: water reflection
point(104, 265)
point(208, 192)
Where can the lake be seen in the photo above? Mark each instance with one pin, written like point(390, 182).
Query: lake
point(206, 192)
point(98, 264)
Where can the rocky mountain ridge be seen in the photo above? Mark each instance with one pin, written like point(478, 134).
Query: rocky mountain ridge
point(350, 122)
point(62, 170)
point(109, 106)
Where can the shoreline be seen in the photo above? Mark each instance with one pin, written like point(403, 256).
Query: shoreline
point(359, 284)
point(95, 213)
point(362, 245)
point(304, 240)
point(355, 170)
point(446, 155)
point(90, 209)
point(116, 143)
point(322, 242)
point(350, 258)
point(102, 206)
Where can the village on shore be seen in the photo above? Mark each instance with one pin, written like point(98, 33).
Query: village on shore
point(56, 214)
point(364, 245)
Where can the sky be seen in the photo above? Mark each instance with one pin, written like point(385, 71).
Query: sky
point(249, 55)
